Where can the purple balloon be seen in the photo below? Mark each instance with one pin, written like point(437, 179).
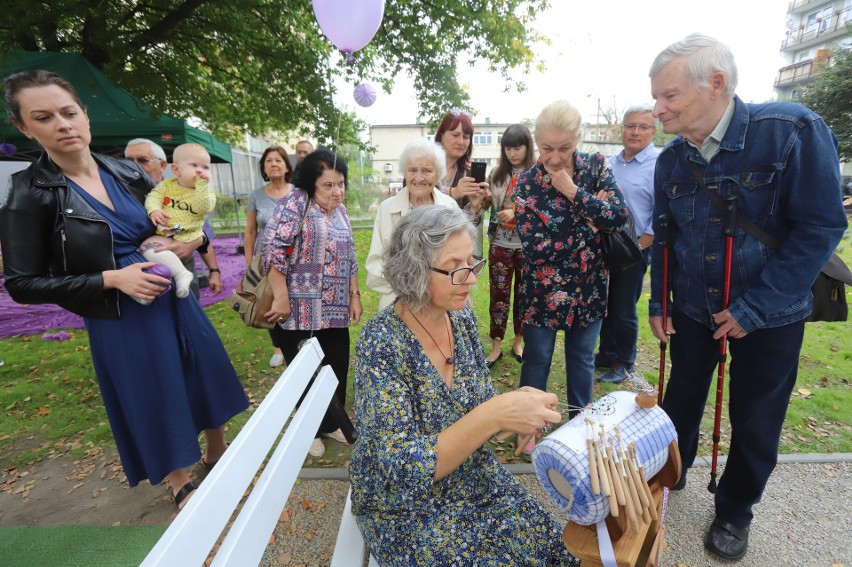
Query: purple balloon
point(365, 94)
point(164, 272)
point(349, 24)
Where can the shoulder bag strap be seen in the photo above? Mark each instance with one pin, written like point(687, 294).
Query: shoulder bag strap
point(743, 223)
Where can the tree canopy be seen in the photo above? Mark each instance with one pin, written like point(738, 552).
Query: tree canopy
point(829, 96)
point(265, 65)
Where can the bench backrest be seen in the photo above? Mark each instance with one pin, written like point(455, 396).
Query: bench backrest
point(193, 533)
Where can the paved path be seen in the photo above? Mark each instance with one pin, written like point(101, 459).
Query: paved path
point(805, 518)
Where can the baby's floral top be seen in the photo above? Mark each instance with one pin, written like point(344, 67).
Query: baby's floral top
point(564, 279)
point(319, 262)
point(477, 515)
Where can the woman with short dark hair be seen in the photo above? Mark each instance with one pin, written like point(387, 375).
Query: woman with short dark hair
point(313, 271)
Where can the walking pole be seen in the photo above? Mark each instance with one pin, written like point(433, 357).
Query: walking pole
point(663, 239)
point(730, 229)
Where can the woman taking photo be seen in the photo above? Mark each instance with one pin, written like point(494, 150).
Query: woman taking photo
point(560, 205)
point(275, 168)
point(314, 273)
point(425, 489)
point(504, 255)
point(423, 164)
point(70, 228)
point(455, 134)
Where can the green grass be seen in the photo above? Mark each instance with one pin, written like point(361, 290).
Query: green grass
point(50, 401)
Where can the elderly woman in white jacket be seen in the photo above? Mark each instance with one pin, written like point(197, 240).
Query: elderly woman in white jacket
point(423, 164)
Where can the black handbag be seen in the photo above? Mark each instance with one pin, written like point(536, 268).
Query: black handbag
point(620, 247)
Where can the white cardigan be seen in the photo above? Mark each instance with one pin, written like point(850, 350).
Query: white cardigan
point(390, 211)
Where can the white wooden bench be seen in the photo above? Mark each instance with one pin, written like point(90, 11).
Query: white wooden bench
point(194, 532)
point(350, 549)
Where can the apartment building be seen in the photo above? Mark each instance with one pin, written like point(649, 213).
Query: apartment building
point(814, 29)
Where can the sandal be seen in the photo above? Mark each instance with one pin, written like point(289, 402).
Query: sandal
point(184, 492)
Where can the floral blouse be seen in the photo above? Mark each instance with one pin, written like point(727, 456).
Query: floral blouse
point(564, 279)
point(319, 263)
point(477, 515)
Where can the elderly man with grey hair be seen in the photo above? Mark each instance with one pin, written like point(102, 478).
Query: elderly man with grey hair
point(425, 489)
point(633, 168)
point(423, 163)
point(743, 283)
point(152, 159)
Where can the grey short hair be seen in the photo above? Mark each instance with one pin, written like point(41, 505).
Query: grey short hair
point(156, 149)
point(562, 117)
point(414, 245)
point(640, 109)
point(706, 56)
point(424, 148)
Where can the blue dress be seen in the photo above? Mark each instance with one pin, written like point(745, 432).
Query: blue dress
point(163, 372)
point(477, 515)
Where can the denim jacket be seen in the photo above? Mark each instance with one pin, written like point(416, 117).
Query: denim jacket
point(781, 159)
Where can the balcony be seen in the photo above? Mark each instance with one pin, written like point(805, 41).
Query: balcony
point(801, 72)
point(802, 5)
point(819, 30)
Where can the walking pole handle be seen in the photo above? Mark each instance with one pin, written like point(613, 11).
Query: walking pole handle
point(730, 220)
point(664, 233)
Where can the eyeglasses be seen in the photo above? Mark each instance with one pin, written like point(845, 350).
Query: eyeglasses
point(141, 160)
point(457, 111)
point(425, 171)
point(461, 275)
point(640, 127)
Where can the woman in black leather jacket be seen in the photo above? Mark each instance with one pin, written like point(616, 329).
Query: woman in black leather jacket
point(69, 231)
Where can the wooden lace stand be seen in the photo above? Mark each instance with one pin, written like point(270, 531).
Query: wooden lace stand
point(631, 549)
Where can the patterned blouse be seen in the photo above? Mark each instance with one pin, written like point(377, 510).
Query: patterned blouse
point(477, 515)
point(321, 263)
point(564, 279)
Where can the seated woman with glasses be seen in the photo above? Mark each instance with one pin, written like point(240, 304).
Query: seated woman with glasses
point(425, 489)
point(423, 164)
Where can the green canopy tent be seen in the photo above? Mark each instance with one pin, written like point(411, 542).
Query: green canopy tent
point(115, 115)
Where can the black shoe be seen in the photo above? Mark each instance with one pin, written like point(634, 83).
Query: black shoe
point(518, 357)
point(681, 483)
point(726, 540)
point(491, 363)
point(602, 361)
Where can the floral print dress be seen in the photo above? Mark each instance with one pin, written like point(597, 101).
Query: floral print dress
point(564, 279)
point(477, 515)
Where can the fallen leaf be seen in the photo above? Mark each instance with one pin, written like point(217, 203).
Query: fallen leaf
point(286, 515)
point(285, 558)
point(804, 391)
point(305, 504)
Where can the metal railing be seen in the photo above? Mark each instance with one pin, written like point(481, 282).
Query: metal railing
point(801, 71)
point(837, 22)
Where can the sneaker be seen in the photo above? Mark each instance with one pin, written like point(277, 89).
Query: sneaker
point(616, 374)
point(317, 448)
point(602, 361)
point(276, 360)
point(337, 435)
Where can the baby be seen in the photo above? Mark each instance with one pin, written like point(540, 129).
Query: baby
point(177, 207)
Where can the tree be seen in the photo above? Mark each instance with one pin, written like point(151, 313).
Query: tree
point(265, 65)
point(829, 96)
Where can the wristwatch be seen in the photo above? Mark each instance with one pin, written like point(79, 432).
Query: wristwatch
point(211, 270)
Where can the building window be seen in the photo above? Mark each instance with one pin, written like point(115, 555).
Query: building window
point(486, 137)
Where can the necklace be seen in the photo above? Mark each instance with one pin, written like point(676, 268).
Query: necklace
point(447, 359)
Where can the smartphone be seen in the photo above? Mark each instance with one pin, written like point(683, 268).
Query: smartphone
point(477, 171)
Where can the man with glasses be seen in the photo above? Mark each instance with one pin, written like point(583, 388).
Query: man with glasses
point(152, 159)
point(633, 168)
